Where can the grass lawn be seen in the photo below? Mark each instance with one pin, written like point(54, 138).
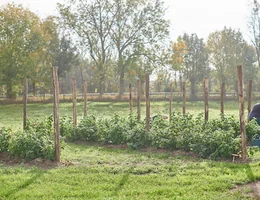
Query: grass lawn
point(12, 115)
point(97, 172)
point(109, 173)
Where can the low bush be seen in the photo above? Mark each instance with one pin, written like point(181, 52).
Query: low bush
point(36, 141)
point(87, 129)
point(214, 139)
point(5, 136)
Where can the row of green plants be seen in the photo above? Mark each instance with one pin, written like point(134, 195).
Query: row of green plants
point(215, 139)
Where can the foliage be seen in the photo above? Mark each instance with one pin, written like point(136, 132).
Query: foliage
point(215, 139)
point(195, 63)
point(252, 128)
point(136, 134)
point(228, 49)
point(122, 30)
point(21, 42)
point(5, 136)
point(115, 130)
point(36, 141)
point(66, 127)
point(87, 129)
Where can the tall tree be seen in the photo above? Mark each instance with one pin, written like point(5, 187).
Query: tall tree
point(20, 40)
point(229, 49)
point(254, 28)
point(118, 29)
point(139, 31)
point(195, 61)
point(91, 21)
point(179, 51)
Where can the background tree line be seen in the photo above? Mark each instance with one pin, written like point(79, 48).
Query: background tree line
point(111, 43)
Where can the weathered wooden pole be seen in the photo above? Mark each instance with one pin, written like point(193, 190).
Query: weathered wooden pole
point(184, 97)
point(25, 97)
point(56, 113)
point(74, 97)
point(206, 96)
point(130, 98)
point(222, 96)
point(147, 99)
point(138, 98)
point(241, 111)
point(85, 97)
point(171, 99)
point(249, 97)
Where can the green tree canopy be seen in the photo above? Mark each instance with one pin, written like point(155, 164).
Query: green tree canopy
point(20, 41)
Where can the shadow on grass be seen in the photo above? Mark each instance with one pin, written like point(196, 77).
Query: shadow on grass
point(24, 185)
point(122, 183)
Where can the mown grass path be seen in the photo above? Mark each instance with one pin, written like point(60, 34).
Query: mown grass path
point(95, 172)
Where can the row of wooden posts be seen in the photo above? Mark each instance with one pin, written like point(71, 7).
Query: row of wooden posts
point(147, 98)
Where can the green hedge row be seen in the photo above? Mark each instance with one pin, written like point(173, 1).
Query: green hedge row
point(215, 139)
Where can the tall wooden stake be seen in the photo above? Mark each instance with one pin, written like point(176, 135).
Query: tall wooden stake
point(184, 97)
point(241, 111)
point(25, 95)
point(138, 99)
point(222, 98)
point(130, 98)
point(206, 95)
point(147, 99)
point(74, 96)
point(56, 113)
point(85, 97)
point(249, 96)
point(171, 99)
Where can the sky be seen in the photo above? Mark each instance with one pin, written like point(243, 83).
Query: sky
point(186, 16)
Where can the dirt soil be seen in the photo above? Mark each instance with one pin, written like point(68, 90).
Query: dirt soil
point(250, 190)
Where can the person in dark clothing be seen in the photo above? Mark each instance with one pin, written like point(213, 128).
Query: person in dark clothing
point(255, 113)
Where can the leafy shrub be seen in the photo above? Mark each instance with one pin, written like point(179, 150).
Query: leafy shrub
point(66, 128)
point(115, 130)
point(87, 129)
point(36, 141)
point(252, 128)
point(5, 136)
point(137, 137)
point(161, 135)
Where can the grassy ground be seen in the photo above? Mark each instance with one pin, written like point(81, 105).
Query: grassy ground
point(95, 172)
point(12, 115)
point(106, 173)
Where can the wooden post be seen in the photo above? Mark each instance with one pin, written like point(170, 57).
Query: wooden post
point(56, 113)
point(74, 97)
point(25, 95)
point(206, 96)
point(222, 95)
point(241, 111)
point(171, 99)
point(184, 97)
point(138, 99)
point(147, 99)
point(130, 98)
point(85, 97)
point(249, 96)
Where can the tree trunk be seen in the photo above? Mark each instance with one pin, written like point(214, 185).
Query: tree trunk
point(34, 88)
point(122, 75)
point(9, 91)
point(193, 89)
point(101, 84)
point(122, 83)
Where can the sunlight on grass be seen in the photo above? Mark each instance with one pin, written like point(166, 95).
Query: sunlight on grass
point(11, 116)
point(105, 173)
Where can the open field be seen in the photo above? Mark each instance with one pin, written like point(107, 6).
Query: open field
point(91, 171)
point(12, 115)
point(96, 172)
